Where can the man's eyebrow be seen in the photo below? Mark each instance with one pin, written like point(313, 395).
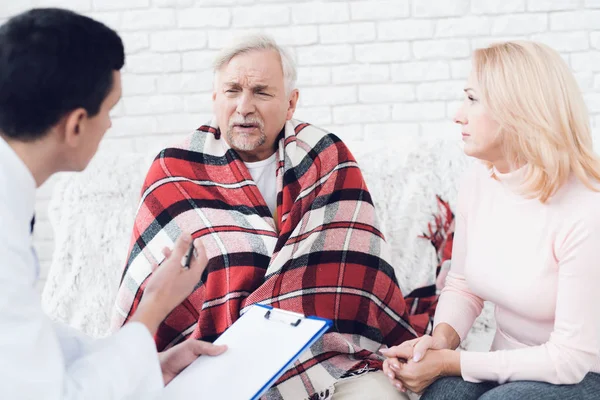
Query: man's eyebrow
point(260, 88)
point(255, 88)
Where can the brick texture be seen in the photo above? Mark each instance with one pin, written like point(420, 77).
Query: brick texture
point(367, 69)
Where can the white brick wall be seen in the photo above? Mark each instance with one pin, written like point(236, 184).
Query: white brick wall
point(367, 69)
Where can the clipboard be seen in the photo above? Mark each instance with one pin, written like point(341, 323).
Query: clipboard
point(262, 345)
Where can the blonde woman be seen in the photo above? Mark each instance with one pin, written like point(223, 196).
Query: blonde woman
point(527, 239)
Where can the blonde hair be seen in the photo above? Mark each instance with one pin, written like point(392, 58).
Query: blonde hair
point(544, 124)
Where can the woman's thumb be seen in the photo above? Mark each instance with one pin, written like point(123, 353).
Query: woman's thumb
point(421, 348)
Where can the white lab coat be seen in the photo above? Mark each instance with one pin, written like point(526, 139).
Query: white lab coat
point(40, 359)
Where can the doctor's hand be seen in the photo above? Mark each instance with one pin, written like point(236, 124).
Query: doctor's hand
point(178, 357)
point(170, 283)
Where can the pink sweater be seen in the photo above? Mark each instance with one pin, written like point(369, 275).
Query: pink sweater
point(540, 265)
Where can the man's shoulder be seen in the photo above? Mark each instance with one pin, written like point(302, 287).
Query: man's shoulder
point(314, 135)
point(316, 142)
point(303, 128)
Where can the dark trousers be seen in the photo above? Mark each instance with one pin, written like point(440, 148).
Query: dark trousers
point(455, 388)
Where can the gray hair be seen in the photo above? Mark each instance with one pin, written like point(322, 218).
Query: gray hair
point(259, 41)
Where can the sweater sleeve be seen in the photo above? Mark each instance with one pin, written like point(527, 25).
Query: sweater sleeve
point(574, 344)
point(458, 306)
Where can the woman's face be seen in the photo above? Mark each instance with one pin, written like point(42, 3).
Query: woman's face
point(480, 132)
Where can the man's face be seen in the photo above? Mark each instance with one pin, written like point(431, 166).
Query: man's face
point(251, 104)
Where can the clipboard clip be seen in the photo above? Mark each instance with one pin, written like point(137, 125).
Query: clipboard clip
point(284, 317)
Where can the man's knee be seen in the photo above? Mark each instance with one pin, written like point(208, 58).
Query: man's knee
point(372, 385)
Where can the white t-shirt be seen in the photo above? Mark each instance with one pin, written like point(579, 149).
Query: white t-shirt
point(264, 175)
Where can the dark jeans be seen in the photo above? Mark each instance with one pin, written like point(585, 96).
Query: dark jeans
point(455, 388)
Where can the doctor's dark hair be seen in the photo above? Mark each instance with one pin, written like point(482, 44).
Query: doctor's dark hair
point(53, 61)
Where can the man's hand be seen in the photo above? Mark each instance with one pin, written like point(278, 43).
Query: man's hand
point(170, 283)
point(178, 357)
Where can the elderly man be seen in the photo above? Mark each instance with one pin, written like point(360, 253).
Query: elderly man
point(286, 219)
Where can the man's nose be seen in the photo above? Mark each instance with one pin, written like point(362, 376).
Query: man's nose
point(245, 104)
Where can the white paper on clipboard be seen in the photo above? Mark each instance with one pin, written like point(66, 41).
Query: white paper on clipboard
point(262, 344)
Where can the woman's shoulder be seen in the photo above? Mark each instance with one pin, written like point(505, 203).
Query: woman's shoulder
point(579, 200)
point(576, 190)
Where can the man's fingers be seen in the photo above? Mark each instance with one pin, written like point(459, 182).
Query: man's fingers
point(166, 252)
point(153, 266)
point(181, 247)
point(204, 348)
point(199, 259)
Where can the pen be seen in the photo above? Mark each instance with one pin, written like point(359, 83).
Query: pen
point(190, 253)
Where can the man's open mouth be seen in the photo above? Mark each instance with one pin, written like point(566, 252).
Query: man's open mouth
point(247, 126)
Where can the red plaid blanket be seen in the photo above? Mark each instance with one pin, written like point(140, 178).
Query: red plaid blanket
point(325, 256)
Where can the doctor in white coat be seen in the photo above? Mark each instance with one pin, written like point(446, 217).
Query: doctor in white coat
point(59, 78)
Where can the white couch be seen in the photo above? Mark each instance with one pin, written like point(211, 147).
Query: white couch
point(92, 215)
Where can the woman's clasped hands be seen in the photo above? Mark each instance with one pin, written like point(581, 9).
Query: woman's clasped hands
point(416, 364)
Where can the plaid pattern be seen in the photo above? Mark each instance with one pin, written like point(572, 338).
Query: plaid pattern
point(441, 235)
point(328, 259)
point(441, 232)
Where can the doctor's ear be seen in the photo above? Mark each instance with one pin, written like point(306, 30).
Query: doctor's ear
point(74, 126)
